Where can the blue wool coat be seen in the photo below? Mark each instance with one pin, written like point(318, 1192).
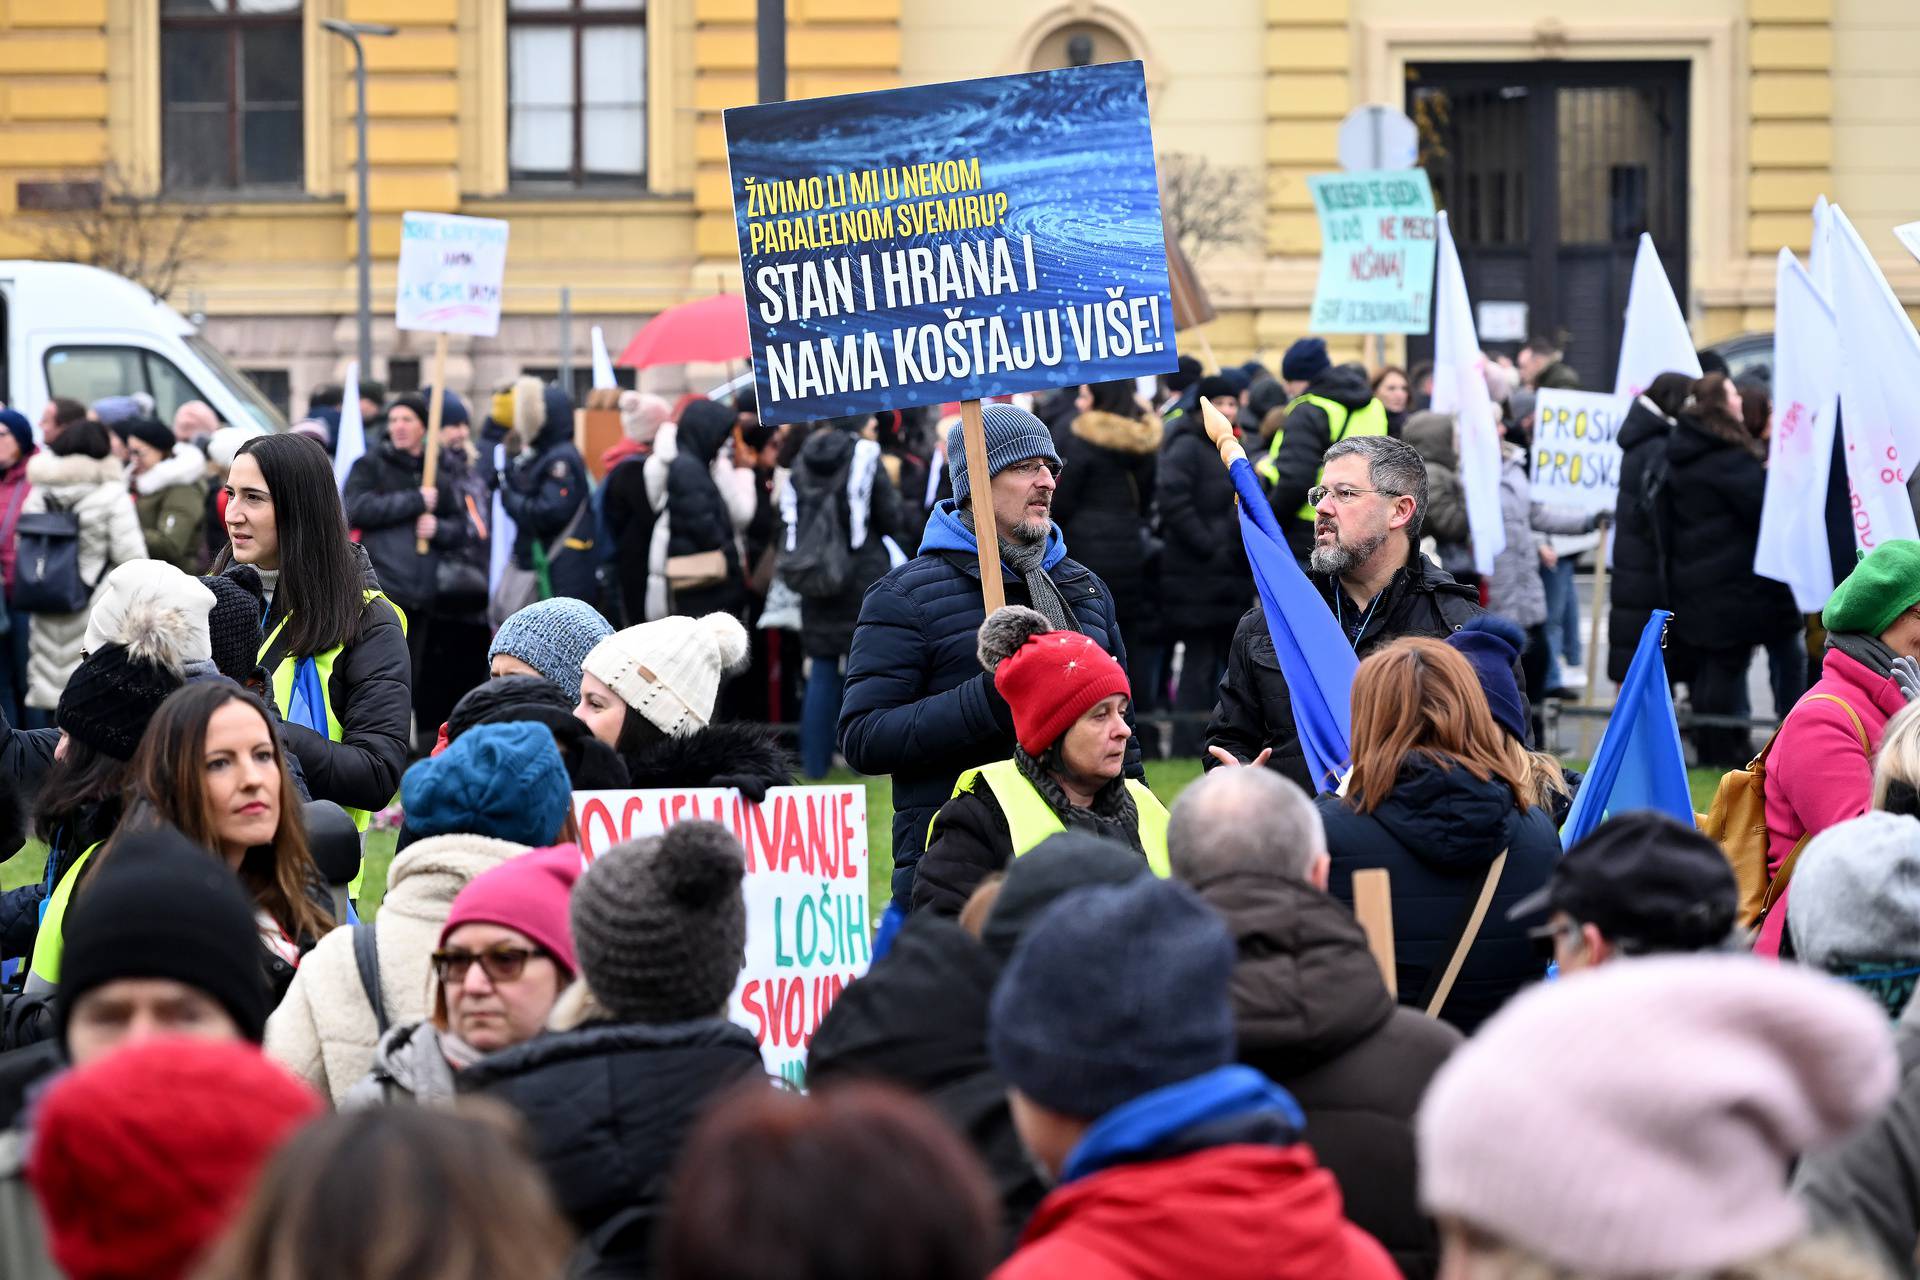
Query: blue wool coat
point(918, 705)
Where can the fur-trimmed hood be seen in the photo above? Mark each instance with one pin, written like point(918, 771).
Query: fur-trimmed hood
point(720, 755)
point(185, 465)
point(1123, 435)
point(51, 471)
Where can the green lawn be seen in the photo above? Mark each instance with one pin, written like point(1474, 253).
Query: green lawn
point(1166, 777)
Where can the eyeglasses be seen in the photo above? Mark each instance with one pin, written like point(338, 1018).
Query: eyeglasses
point(1033, 467)
point(1344, 494)
point(502, 964)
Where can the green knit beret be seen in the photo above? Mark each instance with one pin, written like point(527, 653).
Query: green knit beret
point(1881, 587)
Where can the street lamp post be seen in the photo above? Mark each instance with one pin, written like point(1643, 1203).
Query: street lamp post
point(351, 33)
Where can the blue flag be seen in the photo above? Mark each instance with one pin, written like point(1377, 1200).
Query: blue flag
point(1315, 657)
point(1639, 764)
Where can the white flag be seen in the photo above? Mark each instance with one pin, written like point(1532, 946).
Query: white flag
point(500, 550)
point(1460, 388)
point(1655, 340)
point(350, 441)
point(602, 365)
point(1879, 369)
point(1806, 389)
point(1820, 255)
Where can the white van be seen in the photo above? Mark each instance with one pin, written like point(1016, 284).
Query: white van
point(83, 333)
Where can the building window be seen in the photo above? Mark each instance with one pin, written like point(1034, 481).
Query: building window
point(577, 92)
point(403, 374)
point(230, 94)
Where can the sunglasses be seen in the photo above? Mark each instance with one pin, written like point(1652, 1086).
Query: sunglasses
point(502, 964)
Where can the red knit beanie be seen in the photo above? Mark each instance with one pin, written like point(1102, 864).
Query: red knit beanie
point(141, 1159)
point(1049, 678)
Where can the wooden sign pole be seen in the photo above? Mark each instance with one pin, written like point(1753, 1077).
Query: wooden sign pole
point(1373, 907)
point(985, 533)
point(430, 475)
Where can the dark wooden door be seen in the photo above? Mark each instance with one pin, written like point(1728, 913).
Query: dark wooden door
point(1549, 172)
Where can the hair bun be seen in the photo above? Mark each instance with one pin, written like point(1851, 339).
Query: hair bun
point(1010, 627)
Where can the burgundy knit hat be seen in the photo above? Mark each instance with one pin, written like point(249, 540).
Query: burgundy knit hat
point(530, 893)
point(140, 1160)
point(1049, 678)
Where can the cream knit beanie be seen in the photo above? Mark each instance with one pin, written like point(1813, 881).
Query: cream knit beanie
point(670, 670)
point(1640, 1118)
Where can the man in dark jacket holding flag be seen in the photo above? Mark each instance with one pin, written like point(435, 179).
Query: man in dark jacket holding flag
point(917, 704)
point(1327, 403)
point(1367, 565)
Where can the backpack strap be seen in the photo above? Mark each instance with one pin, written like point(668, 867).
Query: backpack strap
point(366, 958)
point(1777, 886)
point(1442, 977)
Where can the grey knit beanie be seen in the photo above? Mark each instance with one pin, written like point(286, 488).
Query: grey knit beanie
point(1013, 435)
point(660, 925)
point(553, 637)
point(1856, 894)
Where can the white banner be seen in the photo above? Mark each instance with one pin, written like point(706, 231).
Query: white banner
point(1460, 388)
point(350, 441)
point(603, 378)
point(1656, 339)
point(1879, 369)
point(450, 273)
point(809, 929)
point(1806, 386)
point(1576, 449)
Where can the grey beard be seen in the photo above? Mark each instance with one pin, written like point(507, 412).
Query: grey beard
point(1339, 560)
point(1031, 531)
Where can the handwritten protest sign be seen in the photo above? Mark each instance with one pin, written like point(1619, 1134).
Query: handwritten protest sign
point(950, 241)
point(1576, 450)
point(1376, 251)
point(808, 928)
point(450, 273)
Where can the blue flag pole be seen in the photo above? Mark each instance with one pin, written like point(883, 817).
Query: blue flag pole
point(1639, 764)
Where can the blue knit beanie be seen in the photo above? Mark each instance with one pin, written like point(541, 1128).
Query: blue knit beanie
point(1013, 435)
point(506, 781)
point(553, 637)
point(1491, 645)
point(1305, 360)
point(14, 422)
point(1113, 992)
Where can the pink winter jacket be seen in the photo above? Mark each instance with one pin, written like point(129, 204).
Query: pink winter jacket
point(1817, 775)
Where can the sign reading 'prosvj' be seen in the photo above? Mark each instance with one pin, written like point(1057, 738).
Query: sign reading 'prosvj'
point(1376, 251)
point(1576, 449)
point(950, 241)
point(451, 269)
point(808, 928)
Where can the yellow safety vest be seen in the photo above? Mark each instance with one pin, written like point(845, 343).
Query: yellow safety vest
point(281, 683)
point(1370, 419)
point(1030, 819)
point(50, 944)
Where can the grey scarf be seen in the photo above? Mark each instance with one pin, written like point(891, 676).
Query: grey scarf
point(1869, 651)
point(1112, 814)
point(1026, 559)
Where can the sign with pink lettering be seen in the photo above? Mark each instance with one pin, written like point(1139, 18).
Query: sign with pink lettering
point(1376, 252)
point(809, 930)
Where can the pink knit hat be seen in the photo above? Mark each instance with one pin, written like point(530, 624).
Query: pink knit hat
point(1640, 1118)
point(529, 893)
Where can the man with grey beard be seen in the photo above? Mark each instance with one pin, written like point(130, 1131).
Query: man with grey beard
point(1367, 564)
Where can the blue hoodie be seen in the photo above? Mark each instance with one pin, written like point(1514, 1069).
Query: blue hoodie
point(946, 533)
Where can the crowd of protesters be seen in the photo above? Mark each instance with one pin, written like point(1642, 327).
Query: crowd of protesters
point(1108, 1032)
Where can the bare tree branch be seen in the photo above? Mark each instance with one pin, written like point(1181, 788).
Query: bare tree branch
point(137, 234)
point(1206, 206)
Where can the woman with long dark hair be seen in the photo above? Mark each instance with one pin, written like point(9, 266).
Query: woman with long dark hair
point(1450, 804)
point(336, 648)
point(210, 766)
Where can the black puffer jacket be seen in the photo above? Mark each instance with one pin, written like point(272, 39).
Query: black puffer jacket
point(372, 696)
point(630, 517)
point(1436, 834)
point(1314, 1016)
point(1104, 504)
point(1256, 711)
point(732, 754)
point(698, 516)
point(543, 488)
point(1203, 563)
point(827, 622)
point(608, 1107)
point(1718, 484)
point(917, 704)
point(1640, 534)
point(1306, 435)
point(918, 1019)
point(383, 501)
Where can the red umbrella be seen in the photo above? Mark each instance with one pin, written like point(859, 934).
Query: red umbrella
point(712, 329)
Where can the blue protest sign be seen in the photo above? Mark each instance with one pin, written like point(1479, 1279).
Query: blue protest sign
point(1376, 251)
point(950, 241)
